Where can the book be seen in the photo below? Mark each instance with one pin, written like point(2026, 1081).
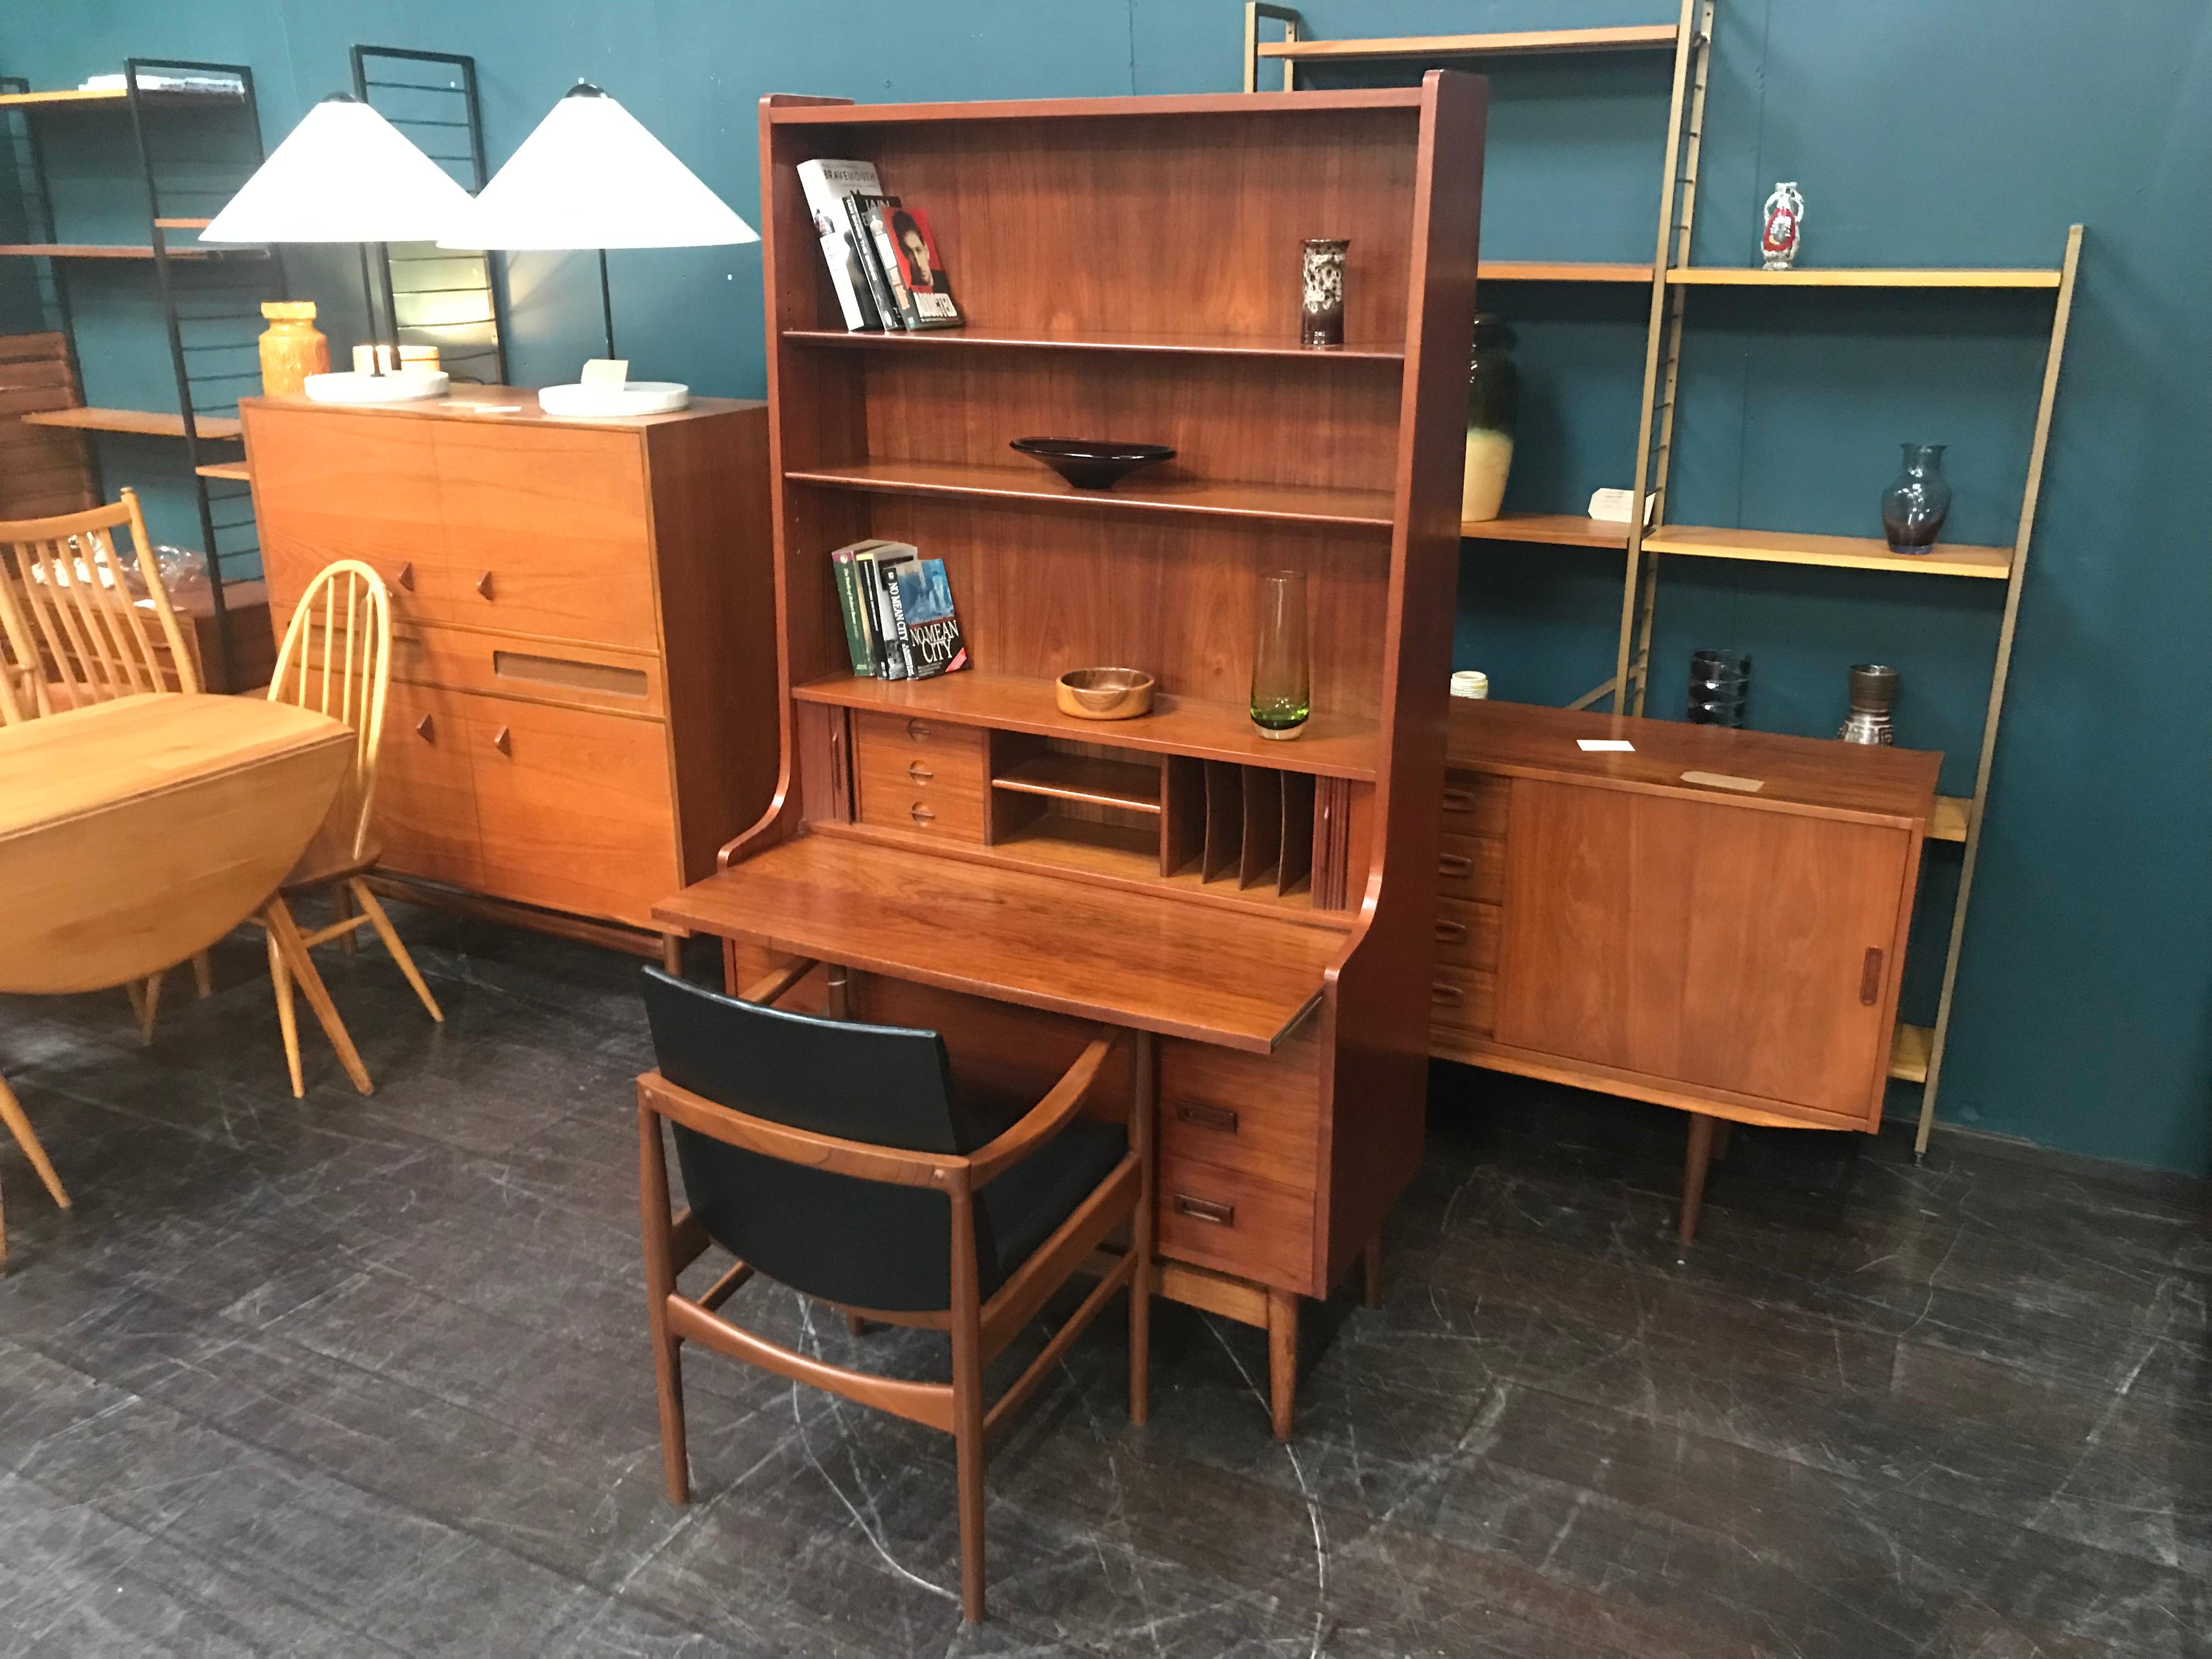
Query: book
point(848, 601)
point(858, 206)
point(873, 565)
point(925, 287)
point(826, 184)
point(927, 620)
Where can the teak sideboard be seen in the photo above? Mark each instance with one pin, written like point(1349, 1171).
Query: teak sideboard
point(958, 853)
point(583, 679)
point(1710, 920)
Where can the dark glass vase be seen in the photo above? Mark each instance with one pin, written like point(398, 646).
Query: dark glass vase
point(1493, 408)
point(1914, 507)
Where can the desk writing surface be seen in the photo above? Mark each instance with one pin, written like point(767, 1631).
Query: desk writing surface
point(1127, 958)
point(1813, 774)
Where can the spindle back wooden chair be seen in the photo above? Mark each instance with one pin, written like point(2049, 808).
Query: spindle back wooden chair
point(337, 660)
point(73, 631)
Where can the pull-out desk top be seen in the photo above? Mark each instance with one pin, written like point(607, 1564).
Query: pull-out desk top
point(1191, 970)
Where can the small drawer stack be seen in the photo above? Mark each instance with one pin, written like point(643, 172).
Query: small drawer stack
point(583, 680)
point(1470, 888)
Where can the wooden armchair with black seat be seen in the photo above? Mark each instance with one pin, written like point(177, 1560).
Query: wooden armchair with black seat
point(840, 1159)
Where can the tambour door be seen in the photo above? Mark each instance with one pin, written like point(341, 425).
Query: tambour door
point(1718, 945)
point(546, 531)
point(575, 808)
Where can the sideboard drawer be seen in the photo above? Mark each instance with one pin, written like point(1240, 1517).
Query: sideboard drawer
point(1466, 933)
point(583, 676)
point(1463, 998)
point(575, 808)
point(1234, 1223)
point(1254, 1113)
point(1476, 804)
point(1471, 867)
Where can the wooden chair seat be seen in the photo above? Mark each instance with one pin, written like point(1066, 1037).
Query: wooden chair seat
point(321, 865)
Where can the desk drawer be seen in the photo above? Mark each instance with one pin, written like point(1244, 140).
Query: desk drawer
point(1471, 867)
point(1463, 998)
point(1259, 1113)
point(1234, 1223)
point(1475, 804)
point(919, 774)
point(1466, 933)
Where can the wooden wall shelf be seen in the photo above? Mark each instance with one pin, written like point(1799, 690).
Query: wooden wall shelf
point(1734, 276)
point(231, 470)
point(1842, 552)
point(113, 96)
point(1563, 270)
point(1555, 529)
point(106, 251)
point(1360, 509)
point(1517, 43)
point(1332, 745)
point(1949, 820)
point(141, 422)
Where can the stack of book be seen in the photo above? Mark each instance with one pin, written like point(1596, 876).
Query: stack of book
point(899, 621)
point(882, 260)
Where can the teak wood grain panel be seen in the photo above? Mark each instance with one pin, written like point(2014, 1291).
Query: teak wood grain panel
point(426, 800)
point(1235, 1222)
point(542, 670)
point(1259, 1113)
point(1724, 948)
point(574, 808)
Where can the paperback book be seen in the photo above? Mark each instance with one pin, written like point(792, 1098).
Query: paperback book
point(875, 566)
point(862, 209)
point(826, 184)
point(926, 620)
point(919, 283)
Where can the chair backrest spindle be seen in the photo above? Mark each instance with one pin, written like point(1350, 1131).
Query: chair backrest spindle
point(71, 631)
point(341, 665)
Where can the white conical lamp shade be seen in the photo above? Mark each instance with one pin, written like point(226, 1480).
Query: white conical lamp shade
point(344, 174)
point(592, 177)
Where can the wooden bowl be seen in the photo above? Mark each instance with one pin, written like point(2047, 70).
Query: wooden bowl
point(1104, 694)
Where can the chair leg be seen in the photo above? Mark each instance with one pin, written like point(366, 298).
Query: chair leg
point(659, 1286)
point(1140, 1340)
point(1282, 1361)
point(341, 908)
point(204, 974)
point(278, 917)
point(280, 980)
point(1370, 1270)
point(1693, 1176)
point(150, 1005)
point(968, 1454)
point(855, 1325)
point(11, 1114)
point(390, 935)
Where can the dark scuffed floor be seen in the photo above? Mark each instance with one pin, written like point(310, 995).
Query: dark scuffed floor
point(348, 1377)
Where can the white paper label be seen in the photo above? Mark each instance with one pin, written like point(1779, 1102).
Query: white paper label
point(1606, 745)
point(606, 372)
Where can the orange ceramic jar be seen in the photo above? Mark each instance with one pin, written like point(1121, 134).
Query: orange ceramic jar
point(292, 347)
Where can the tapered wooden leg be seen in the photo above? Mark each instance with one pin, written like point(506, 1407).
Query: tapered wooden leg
point(855, 1326)
point(11, 1114)
point(1141, 1232)
point(659, 1284)
point(1370, 1270)
point(150, 1005)
point(1282, 1360)
point(277, 915)
point(1724, 1131)
point(390, 935)
point(280, 979)
point(204, 974)
point(672, 954)
point(1693, 1175)
point(341, 908)
point(968, 1448)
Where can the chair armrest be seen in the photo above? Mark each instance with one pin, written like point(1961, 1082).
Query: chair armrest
point(891, 1165)
point(770, 986)
point(1048, 1116)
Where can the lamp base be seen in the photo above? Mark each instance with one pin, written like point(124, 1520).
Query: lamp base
point(399, 387)
point(631, 398)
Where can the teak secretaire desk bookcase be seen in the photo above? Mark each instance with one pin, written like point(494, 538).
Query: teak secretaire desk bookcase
point(967, 857)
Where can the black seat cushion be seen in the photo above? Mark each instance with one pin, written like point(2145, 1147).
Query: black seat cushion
point(859, 1243)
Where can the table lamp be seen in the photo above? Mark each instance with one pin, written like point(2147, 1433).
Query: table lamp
point(590, 177)
point(346, 175)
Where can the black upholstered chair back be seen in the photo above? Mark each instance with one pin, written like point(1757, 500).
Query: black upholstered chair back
point(860, 1243)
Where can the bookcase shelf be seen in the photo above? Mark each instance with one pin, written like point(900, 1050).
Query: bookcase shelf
point(1065, 340)
point(1332, 745)
point(1124, 784)
point(1294, 503)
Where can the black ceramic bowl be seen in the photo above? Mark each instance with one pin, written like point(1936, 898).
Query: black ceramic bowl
point(1088, 464)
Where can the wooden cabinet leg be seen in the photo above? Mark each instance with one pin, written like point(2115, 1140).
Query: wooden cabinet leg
point(1282, 1360)
point(1693, 1175)
point(671, 955)
point(1370, 1270)
point(855, 1326)
point(1723, 1132)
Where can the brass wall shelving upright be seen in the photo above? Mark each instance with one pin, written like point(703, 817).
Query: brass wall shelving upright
point(1917, 1052)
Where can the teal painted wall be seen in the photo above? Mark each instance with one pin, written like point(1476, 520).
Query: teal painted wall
point(1922, 131)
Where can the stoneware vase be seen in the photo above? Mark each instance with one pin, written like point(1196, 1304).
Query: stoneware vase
point(1321, 292)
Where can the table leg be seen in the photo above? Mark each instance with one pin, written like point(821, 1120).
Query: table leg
point(1282, 1360)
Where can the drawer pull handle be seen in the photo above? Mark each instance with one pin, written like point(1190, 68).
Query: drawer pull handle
point(1451, 932)
point(921, 814)
point(1206, 1209)
point(1453, 864)
point(1206, 1116)
point(1459, 800)
point(919, 773)
point(1870, 977)
point(405, 576)
point(1446, 996)
point(483, 585)
point(918, 730)
point(425, 731)
point(503, 742)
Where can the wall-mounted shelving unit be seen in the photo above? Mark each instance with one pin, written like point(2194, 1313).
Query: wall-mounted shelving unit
point(212, 322)
point(1649, 538)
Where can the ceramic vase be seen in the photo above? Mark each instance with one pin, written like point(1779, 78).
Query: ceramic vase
point(1493, 408)
point(292, 348)
point(1321, 288)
